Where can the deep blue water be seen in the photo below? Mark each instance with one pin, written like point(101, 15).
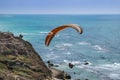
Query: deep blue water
point(99, 44)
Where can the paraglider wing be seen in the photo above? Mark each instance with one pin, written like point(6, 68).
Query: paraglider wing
point(58, 29)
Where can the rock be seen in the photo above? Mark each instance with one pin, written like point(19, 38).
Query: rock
point(50, 64)
point(70, 65)
point(56, 65)
point(67, 76)
point(60, 74)
point(86, 63)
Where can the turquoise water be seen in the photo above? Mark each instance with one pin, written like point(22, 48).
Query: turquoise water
point(99, 44)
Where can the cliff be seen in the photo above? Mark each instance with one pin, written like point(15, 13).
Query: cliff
point(19, 60)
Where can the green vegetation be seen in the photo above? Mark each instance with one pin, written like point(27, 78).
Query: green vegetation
point(2, 66)
point(9, 52)
point(22, 72)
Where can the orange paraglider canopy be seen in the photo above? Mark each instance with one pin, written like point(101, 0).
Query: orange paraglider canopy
point(58, 29)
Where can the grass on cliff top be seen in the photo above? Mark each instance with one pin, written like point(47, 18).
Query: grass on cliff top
point(21, 58)
point(22, 72)
point(2, 66)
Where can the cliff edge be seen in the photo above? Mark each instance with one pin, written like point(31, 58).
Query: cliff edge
point(19, 60)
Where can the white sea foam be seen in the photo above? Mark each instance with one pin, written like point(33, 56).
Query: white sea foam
point(34, 33)
point(28, 34)
point(52, 56)
point(99, 48)
point(48, 33)
point(114, 76)
point(67, 44)
point(84, 43)
point(50, 49)
point(76, 62)
point(114, 66)
point(44, 32)
point(60, 47)
point(73, 62)
point(112, 71)
point(110, 67)
point(66, 61)
point(63, 46)
point(68, 53)
point(96, 47)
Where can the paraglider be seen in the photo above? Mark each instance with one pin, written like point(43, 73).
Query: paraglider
point(60, 28)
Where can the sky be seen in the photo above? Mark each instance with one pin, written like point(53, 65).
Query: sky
point(59, 6)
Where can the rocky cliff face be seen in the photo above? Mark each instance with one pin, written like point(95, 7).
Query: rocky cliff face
point(19, 60)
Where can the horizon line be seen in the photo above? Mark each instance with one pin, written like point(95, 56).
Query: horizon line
point(59, 14)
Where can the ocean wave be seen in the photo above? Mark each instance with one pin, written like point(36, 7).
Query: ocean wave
point(63, 46)
point(52, 56)
point(98, 48)
point(84, 43)
point(44, 32)
point(114, 66)
point(109, 71)
point(67, 44)
point(73, 62)
point(59, 47)
point(31, 34)
point(114, 76)
point(35, 33)
point(26, 34)
point(47, 32)
point(77, 63)
point(68, 53)
point(110, 67)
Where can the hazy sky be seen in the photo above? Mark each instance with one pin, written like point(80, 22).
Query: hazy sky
point(60, 6)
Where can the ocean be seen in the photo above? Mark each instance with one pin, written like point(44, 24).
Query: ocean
point(99, 45)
